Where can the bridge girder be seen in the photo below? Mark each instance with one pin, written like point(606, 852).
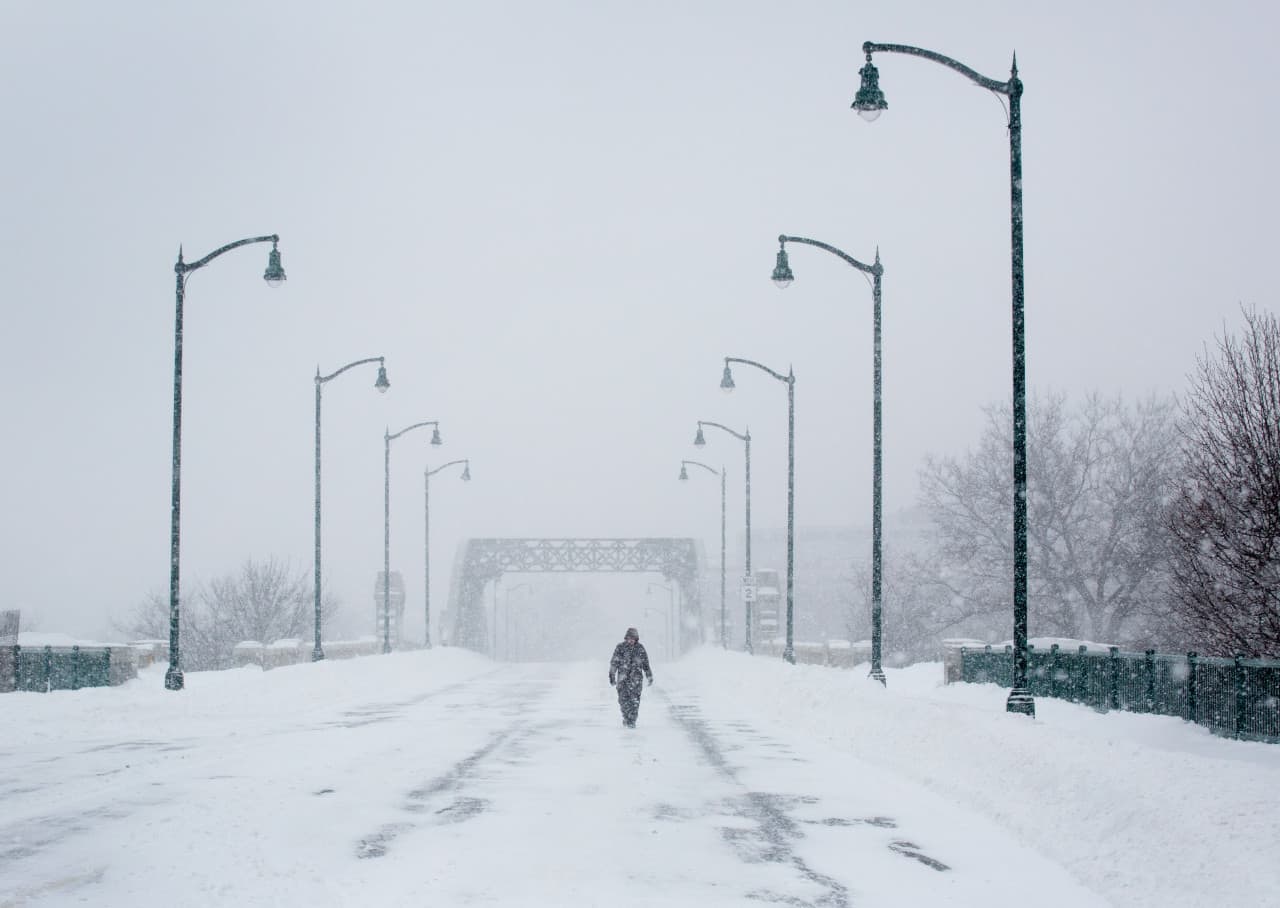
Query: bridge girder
point(481, 560)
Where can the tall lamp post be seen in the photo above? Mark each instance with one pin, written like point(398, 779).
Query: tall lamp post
point(317, 653)
point(426, 545)
point(274, 276)
point(523, 619)
point(783, 277)
point(386, 521)
point(745, 438)
point(669, 614)
point(726, 383)
point(684, 477)
point(870, 102)
point(506, 616)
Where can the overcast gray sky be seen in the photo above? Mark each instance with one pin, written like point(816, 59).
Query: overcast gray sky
point(554, 219)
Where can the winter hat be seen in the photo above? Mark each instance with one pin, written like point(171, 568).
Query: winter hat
point(632, 632)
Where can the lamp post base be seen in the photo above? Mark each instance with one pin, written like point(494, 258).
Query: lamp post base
point(1021, 701)
point(878, 674)
point(317, 655)
point(789, 655)
point(173, 679)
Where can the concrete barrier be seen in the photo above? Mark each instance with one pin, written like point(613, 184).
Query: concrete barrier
point(951, 656)
point(293, 651)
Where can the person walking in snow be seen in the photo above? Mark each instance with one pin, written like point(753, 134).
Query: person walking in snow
point(627, 670)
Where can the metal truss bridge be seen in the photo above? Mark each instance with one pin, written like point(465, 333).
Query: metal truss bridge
point(480, 561)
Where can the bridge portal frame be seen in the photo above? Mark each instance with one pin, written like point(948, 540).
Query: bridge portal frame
point(481, 560)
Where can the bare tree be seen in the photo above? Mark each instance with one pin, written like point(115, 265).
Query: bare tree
point(264, 601)
point(1225, 520)
point(917, 608)
point(1098, 477)
point(149, 620)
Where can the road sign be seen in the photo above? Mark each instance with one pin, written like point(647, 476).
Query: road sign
point(748, 589)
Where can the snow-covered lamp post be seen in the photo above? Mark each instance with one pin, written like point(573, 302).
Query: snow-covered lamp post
point(506, 618)
point(426, 536)
point(274, 276)
point(789, 652)
point(745, 438)
point(726, 384)
point(870, 102)
point(684, 477)
point(783, 277)
point(669, 614)
point(317, 652)
point(386, 521)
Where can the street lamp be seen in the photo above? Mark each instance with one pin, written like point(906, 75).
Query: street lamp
point(317, 653)
point(523, 619)
point(684, 477)
point(783, 277)
point(869, 102)
point(274, 276)
point(745, 438)
point(386, 521)
point(726, 384)
point(506, 616)
point(426, 545)
point(669, 614)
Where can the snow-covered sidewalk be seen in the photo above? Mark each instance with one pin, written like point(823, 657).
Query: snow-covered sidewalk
point(443, 778)
point(1144, 810)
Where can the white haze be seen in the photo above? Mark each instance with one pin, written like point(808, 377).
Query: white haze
point(554, 220)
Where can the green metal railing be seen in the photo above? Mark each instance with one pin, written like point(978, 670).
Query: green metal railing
point(45, 669)
point(1238, 697)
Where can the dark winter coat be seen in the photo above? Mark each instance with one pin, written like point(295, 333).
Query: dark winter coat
point(629, 663)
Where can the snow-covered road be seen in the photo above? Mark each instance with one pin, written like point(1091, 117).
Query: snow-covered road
point(442, 778)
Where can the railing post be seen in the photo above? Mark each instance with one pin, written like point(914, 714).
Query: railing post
point(48, 669)
point(1053, 670)
point(1115, 677)
point(1149, 700)
point(75, 667)
point(1242, 696)
point(1191, 685)
point(1079, 683)
point(17, 666)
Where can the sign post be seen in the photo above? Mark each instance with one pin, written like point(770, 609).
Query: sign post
point(748, 599)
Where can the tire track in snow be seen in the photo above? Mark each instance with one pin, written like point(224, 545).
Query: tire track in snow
point(376, 844)
point(774, 830)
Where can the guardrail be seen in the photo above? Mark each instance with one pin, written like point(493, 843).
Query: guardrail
point(1238, 698)
point(49, 668)
point(293, 651)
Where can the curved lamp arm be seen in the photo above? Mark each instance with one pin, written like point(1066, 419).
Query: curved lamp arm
point(183, 268)
point(416, 425)
point(788, 379)
point(875, 269)
point(685, 463)
point(453, 463)
point(1004, 88)
point(380, 360)
point(707, 422)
